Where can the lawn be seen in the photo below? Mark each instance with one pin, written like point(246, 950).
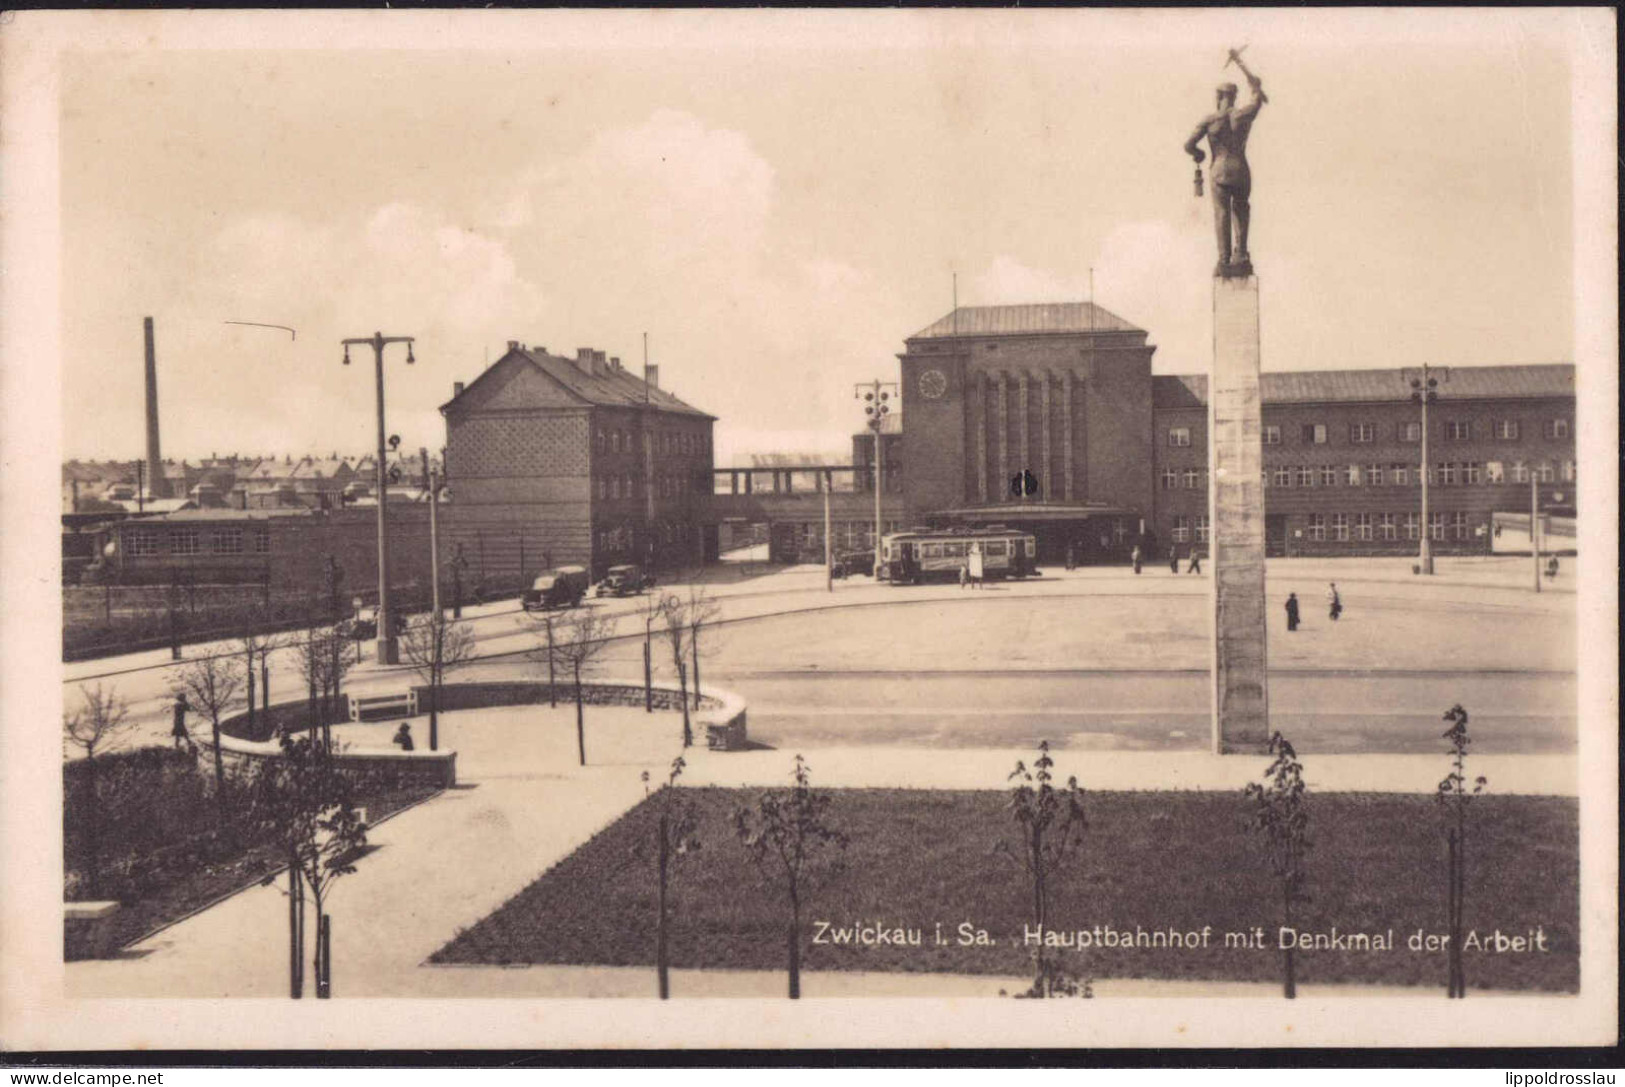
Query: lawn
point(1170, 861)
point(165, 847)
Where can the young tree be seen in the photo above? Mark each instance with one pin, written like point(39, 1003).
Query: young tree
point(255, 648)
point(306, 805)
point(701, 611)
point(674, 839)
point(783, 834)
point(673, 616)
point(548, 653)
point(211, 684)
point(323, 662)
point(654, 612)
point(1052, 822)
point(584, 635)
point(433, 646)
point(102, 719)
point(1281, 817)
point(1454, 797)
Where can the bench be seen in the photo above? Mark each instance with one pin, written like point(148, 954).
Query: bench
point(87, 911)
point(388, 705)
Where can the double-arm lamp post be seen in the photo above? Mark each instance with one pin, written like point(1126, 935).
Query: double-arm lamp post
point(387, 652)
point(875, 395)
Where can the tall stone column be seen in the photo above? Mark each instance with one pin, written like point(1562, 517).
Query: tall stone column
point(1241, 720)
point(1048, 486)
point(981, 438)
point(1026, 462)
point(1066, 432)
point(1004, 437)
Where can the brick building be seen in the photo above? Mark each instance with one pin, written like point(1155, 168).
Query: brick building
point(1047, 418)
point(578, 461)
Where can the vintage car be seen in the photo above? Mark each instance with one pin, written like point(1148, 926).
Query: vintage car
point(854, 562)
point(560, 588)
point(624, 581)
point(364, 624)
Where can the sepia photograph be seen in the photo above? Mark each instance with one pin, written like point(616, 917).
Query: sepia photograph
point(790, 528)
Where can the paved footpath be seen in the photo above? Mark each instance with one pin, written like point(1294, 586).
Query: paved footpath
point(524, 805)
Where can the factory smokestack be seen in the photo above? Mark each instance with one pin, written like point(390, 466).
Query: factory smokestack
point(156, 482)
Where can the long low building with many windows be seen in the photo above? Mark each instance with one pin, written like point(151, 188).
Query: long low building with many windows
point(1048, 418)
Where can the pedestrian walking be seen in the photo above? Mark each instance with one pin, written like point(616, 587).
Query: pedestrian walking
point(1196, 563)
point(1292, 611)
point(1134, 557)
point(1173, 560)
point(403, 737)
point(178, 729)
point(964, 575)
point(1551, 567)
point(1334, 601)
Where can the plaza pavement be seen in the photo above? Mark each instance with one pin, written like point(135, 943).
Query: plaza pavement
point(523, 804)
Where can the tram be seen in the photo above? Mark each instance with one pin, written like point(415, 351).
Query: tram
point(908, 558)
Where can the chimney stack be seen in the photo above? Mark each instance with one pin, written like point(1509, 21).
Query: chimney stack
point(584, 359)
point(513, 345)
point(651, 375)
point(615, 363)
point(156, 481)
point(456, 389)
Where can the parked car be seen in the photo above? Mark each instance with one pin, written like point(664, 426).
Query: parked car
point(560, 588)
point(624, 581)
point(855, 562)
point(364, 624)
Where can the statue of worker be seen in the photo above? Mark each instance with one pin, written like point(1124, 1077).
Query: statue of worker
point(1226, 133)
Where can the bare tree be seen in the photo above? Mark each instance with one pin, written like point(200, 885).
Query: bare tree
point(673, 614)
point(323, 662)
point(674, 839)
point(211, 684)
point(256, 649)
point(702, 609)
point(433, 646)
point(584, 635)
point(307, 806)
point(782, 834)
point(103, 717)
point(1052, 824)
point(548, 653)
point(1281, 819)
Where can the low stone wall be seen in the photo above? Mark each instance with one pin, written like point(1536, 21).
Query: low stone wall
point(436, 768)
point(720, 718)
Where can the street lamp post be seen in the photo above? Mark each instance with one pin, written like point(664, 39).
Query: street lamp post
point(876, 395)
point(1425, 390)
point(387, 650)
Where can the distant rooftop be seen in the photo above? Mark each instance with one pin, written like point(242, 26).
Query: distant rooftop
point(1046, 317)
point(1328, 386)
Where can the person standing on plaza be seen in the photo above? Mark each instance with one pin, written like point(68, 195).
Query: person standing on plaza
point(1173, 559)
point(403, 737)
point(1071, 557)
point(964, 574)
point(1196, 563)
point(178, 729)
point(1334, 602)
point(1134, 557)
point(1292, 611)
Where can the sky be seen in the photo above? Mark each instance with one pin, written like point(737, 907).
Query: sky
point(778, 200)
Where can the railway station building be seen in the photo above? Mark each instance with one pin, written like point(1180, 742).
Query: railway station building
point(1048, 418)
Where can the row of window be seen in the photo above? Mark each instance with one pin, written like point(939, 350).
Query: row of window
point(668, 443)
point(1390, 526)
point(1182, 529)
point(618, 487)
point(145, 543)
point(619, 540)
point(1451, 430)
point(1445, 473)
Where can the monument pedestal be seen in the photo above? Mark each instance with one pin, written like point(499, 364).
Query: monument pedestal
point(1241, 719)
